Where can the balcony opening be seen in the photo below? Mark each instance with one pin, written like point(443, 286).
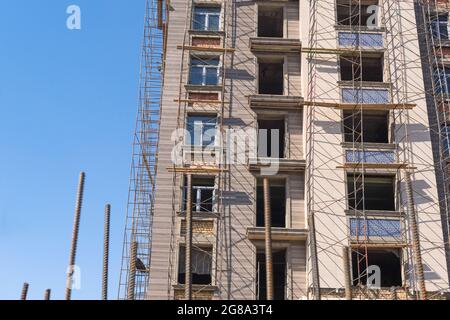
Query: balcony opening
point(378, 191)
point(271, 138)
point(368, 126)
point(271, 76)
point(388, 260)
point(201, 130)
point(352, 13)
point(203, 194)
point(279, 274)
point(361, 68)
point(206, 18)
point(270, 21)
point(201, 266)
point(277, 203)
point(204, 71)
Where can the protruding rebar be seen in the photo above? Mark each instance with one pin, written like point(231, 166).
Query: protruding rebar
point(132, 272)
point(76, 227)
point(106, 230)
point(415, 237)
point(23, 295)
point(188, 262)
point(47, 294)
point(347, 278)
point(268, 239)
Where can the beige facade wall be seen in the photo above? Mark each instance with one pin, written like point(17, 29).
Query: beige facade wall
point(234, 255)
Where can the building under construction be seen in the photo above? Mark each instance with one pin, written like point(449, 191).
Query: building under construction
point(290, 150)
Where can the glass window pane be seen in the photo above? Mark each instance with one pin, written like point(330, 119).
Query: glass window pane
point(211, 76)
point(199, 22)
point(213, 24)
point(209, 134)
point(201, 130)
point(196, 76)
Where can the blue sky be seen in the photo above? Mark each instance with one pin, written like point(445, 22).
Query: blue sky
point(68, 102)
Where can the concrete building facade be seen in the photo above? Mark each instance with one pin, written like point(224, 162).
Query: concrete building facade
point(310, 117)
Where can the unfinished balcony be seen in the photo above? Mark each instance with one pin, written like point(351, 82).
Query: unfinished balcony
point(272, 87)
point(271, 149)
point(282, 235)
point(357, 27)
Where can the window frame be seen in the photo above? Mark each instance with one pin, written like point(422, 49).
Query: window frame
point(207, 16)
point(202, 63)
point(190, 128)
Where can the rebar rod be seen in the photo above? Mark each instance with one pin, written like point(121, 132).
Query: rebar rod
point(188, 262)
point(47, 294)
point(132, 274)
point(106, 230)
point(23, 295)
point(76, 227)
point(347, 279)
point(415, 237)
point(268, 239)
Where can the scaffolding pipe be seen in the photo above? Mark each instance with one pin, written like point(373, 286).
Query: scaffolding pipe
point(106, 230)
point(76, 227)
point(188, 263)
point(132, 274)
point(23, 295)
point(268, 239)
point(47, 294)
point(347, 279)
point(415, 237)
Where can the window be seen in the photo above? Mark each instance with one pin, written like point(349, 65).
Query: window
point(201, 259)
point(279, 275)
point(277, 189)
point(364, 69)
point(271, 76)
point(352, 13)
point(204, 71)
point(378, 192)
point(442, 80)
point(201, 130)
point(206, 18)
point(271, 138)
point(368, 127)
point(203, 194)
point(439, 26)
point(388, 260)
point(270, 21)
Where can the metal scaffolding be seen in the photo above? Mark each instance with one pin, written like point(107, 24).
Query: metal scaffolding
point(358, 165)
point(145, 153)
point(188, 164)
